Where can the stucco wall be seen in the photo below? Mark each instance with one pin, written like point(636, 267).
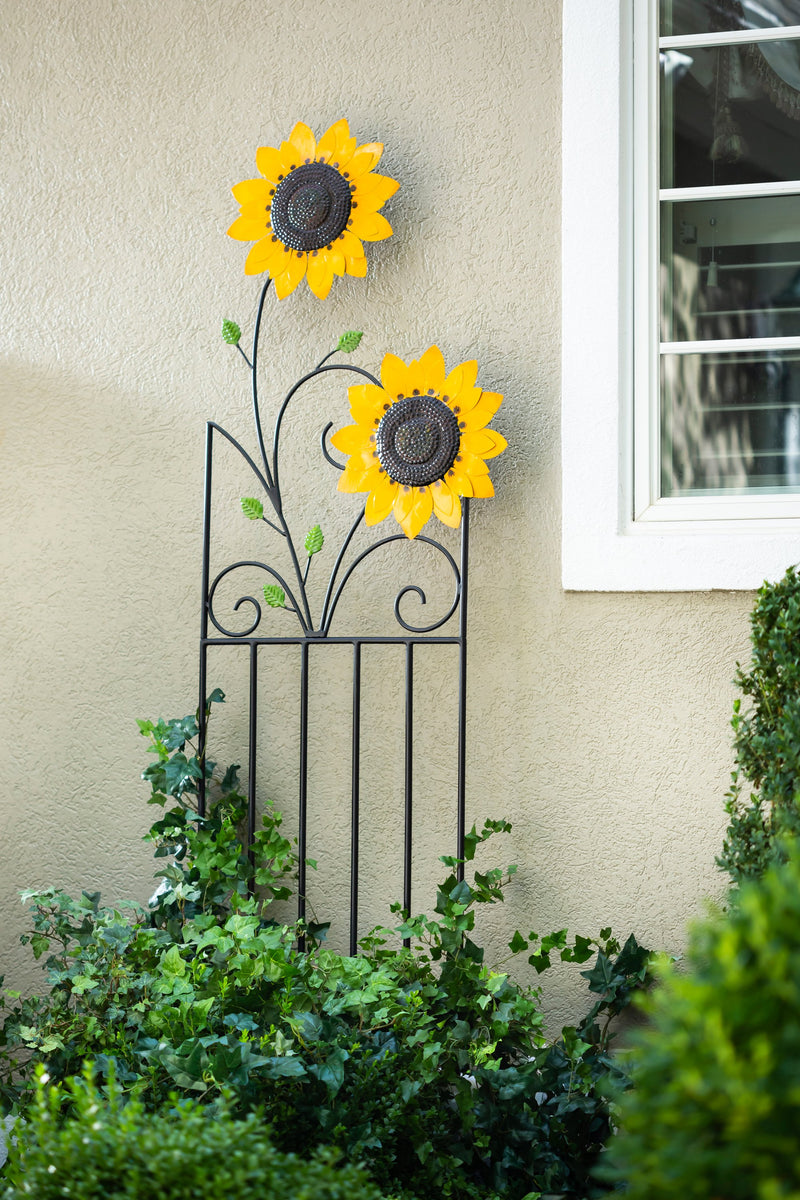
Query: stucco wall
point(598, 723)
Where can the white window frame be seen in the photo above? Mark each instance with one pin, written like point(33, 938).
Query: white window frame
point(617, 534)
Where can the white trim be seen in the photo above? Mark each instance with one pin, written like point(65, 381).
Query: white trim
point(731, 345)
point(733, 191)
point(603, 547)
point(733, 37)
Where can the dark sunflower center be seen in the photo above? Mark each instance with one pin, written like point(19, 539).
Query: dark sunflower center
point(311, 207)
point(417, 440)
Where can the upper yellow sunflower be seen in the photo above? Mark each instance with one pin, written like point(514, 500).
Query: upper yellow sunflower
point(419, 441)
point(316, 204)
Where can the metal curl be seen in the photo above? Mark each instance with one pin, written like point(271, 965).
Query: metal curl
point(250, 599)
point(323, 441)
point(411, 587)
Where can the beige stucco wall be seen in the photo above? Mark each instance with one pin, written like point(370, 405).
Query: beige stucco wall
point(598, 723)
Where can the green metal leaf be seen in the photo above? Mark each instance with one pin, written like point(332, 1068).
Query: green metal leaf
point(252, 508)
point(349, 341)
point(231, 333)
point(314, 541)
point(275, 596)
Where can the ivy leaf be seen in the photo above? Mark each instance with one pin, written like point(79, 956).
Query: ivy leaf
point(349, 341)
point(314, 541)
point(252, 508)
point(275, 596)
point(231, 333)
point(517, 943)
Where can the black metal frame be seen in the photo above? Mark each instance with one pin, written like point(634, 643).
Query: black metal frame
point(268, 476)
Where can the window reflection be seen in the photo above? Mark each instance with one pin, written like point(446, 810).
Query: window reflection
point(730, 114)
point(680, 17)
point(731, 423)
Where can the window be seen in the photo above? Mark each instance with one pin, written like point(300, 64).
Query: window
point(681, 287)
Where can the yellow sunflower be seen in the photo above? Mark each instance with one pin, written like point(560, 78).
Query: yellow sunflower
point(419, 441)
point(314, 207)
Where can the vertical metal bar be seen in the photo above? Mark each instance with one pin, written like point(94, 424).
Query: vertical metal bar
point(203, 680)
point(302, 833)
point(409, 779)
point(251, 765)
point(462, 688)
point(355, 797)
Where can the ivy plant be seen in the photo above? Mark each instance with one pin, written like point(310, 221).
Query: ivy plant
point(416, 1057)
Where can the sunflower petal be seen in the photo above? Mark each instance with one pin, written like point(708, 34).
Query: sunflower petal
point(431, 364)
point(356, 266)
point(365, 158)
point(395, 376)
point(357, 478)
point(348, 245)
point(372, 191)
point(290, 156)
point(289, 279)
point(343, 155)
point(260, 211)
point(249, 229)
point(352, 439)
point(367, 404)
point(412, 508)
point(338, 261)
point(304, 142)
point(320, 275)
point(446, 504)
point(482, 487)
point(252, 191)
point(266, 255)
point(487, 443)
point(460, 381)
point(380, 501)
point(371, 227)
point(333, 140)
point(482, 413)
point(270, 163)
point(459, 482)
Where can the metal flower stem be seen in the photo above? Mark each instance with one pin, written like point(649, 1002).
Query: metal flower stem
point(296, 602)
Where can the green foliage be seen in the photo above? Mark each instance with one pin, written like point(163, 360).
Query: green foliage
point(110, 1147)
point(415, 1057)
point(314, 541)
point(274, 595)
point(762, 803)
point(715, 1107)
point(252, 508)
point(231, 333)
point(349, 341)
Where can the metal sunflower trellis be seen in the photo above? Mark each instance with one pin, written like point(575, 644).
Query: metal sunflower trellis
point(313, 632)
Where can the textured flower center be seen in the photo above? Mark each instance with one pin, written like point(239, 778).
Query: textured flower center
point(311, 207)
point(417, 440)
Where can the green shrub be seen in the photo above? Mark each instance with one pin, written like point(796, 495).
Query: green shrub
point(762, 802)
point(417, 1059)
point(108, 1149)
point(715, 1106)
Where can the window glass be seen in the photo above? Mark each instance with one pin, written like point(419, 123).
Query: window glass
point(730, 269)
point(730, 423)
point(730, 114)
point(680, 17)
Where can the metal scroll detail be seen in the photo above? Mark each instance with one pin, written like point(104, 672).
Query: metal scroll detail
point(243, 624)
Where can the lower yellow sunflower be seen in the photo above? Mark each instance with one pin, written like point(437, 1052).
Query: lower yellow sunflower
point(315, 206)
point(419, 441)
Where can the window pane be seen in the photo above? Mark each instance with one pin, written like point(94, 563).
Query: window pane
point(730, 423)
point(730, 269)
point(730, 114)
point(710, 16)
